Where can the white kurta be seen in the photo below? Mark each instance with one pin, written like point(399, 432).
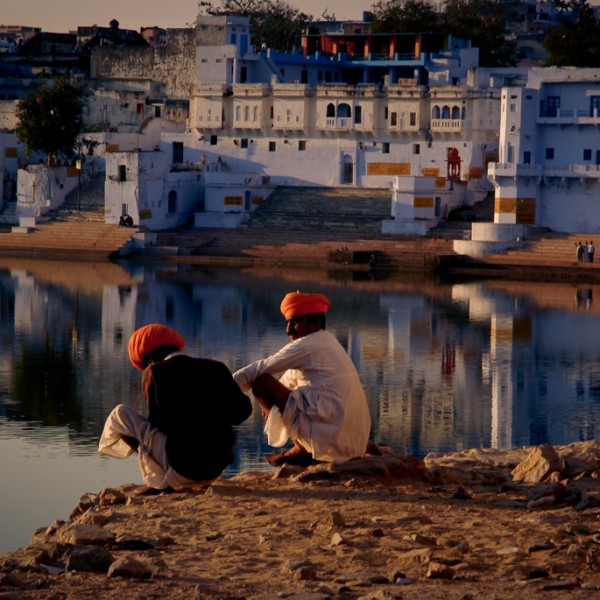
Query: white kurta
point(326, 411)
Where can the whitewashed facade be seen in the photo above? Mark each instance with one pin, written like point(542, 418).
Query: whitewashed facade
point(336, 134)
point(246, 113)
point(548, 173)
point(147, 187)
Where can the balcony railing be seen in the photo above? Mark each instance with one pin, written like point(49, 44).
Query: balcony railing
point(446, 124)
point(567, 117)
point(339, 123)
point(544, 170)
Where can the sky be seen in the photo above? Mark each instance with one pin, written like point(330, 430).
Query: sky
point(61, 16)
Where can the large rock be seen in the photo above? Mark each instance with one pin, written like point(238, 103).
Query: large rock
point(83, 535)
point(388, 467)
point(541, 462)
point(580, 457)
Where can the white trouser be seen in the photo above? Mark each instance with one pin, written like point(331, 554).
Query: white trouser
point(152, 453)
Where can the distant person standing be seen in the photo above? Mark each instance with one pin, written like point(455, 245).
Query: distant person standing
point(579, 251)
point(584, 256)
point(591, 251)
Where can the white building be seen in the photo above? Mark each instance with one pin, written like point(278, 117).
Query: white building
point(411, 109)
point(548, 173)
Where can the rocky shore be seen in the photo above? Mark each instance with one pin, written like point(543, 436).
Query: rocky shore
point(475, 524)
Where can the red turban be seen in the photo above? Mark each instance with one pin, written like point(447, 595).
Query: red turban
point(149, 338)
point(297, 304)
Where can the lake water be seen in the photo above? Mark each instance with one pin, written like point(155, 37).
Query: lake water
point(445, 365)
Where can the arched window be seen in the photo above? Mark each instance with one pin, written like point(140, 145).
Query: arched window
point(435, 112)
point(445, 112)
point(255, 113)
point(172, 202)
point(330, 110)
point(237, 112)
point(456, 112)
point(344, 110)
point(246, 113)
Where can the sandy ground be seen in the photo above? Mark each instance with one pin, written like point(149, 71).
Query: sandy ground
point(452, 527)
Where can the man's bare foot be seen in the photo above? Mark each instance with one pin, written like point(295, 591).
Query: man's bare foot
point(294, 456)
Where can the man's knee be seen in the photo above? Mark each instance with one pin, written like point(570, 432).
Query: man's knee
point(263, 385)
point(269, 391)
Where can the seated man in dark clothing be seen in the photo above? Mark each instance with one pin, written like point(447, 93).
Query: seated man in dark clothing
point(193, 404)
point(125, 220)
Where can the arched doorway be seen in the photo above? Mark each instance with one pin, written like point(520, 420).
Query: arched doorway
point(347, 169)
point(172, 202)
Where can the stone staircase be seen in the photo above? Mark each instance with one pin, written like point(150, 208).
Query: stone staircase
point(458, 224)
point(67, 240)
point(317, 248)
point(75, 231)
point(548, 249)
point(544, 256)
point(8, 214)
point(83, 204)
point(359, 211)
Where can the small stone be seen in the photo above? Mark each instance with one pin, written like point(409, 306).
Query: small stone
point(165, 540)
point(127, 541)
point(306, 573)
point(396, 576)
point(302, 571)
point(93, 535)
point(461, 494)
point(507, 551)
point(86, 502)
point(420, 555)
point(379, 595)
point(337, 540)
point(439, 571)
point(129, 567)
point(92, 559)
point(110, 496)
point(555, 489)
point(541, 502)
point(337, 519)
point(422, 539)
point(548, 545)
point(538, 574)
point(93, 518)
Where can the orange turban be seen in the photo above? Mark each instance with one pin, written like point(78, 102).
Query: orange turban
point(297, 304)
point(149, 338)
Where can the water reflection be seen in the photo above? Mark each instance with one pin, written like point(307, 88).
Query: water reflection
point(446, 366)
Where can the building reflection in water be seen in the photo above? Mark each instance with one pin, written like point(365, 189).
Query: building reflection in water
point(445, 366)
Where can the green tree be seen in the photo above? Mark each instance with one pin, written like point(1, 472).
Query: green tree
point(485, 23)
point(575, 41)
point(405, 16)
point(50, 117)
point(273, 22)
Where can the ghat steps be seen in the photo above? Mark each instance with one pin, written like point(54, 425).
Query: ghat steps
point(70, 240)
point(309, 227)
